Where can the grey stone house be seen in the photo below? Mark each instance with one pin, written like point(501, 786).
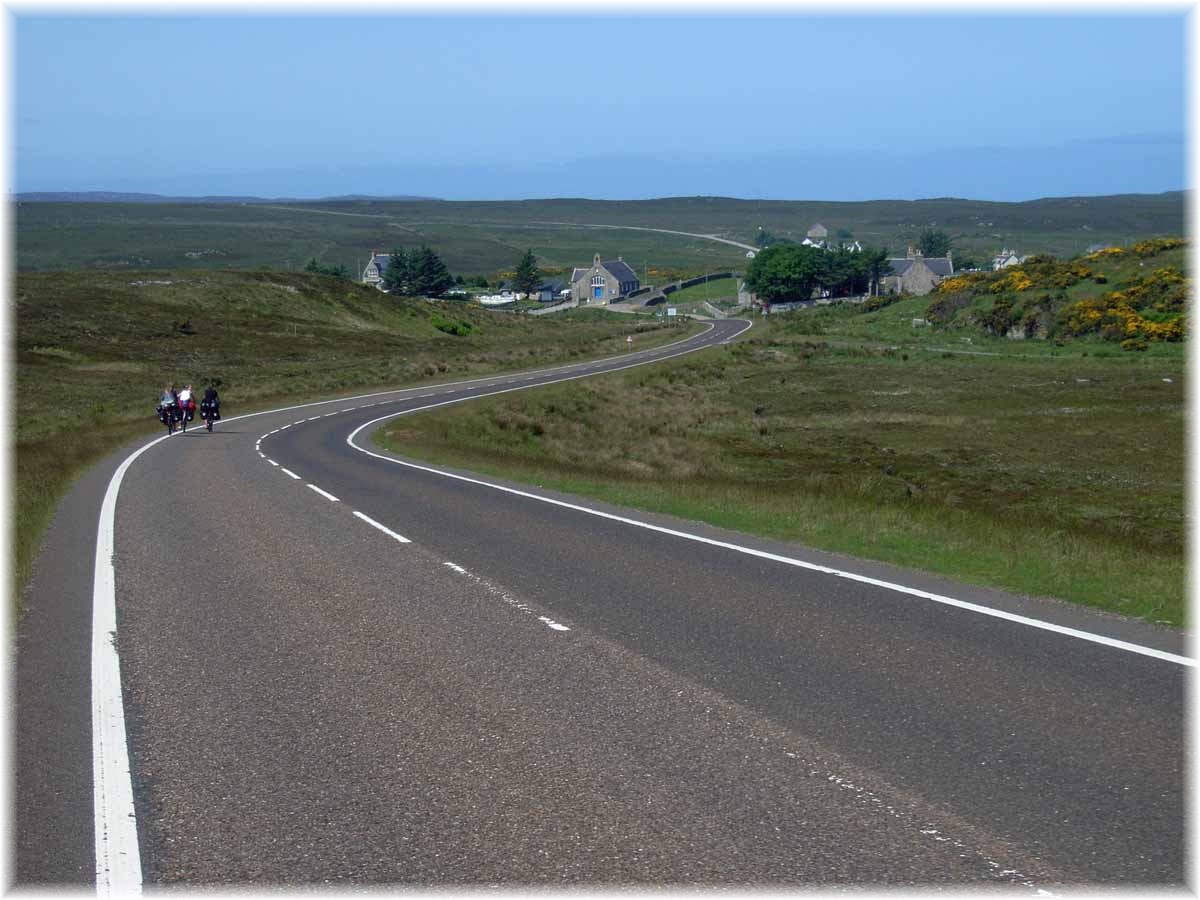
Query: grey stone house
point(916, 274)
point(603, 281)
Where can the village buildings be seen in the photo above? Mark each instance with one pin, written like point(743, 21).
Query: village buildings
point(603, 282)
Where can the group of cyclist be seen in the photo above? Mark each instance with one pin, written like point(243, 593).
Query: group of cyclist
point(178, 406)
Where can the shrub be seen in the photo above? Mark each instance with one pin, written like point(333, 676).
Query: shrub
point(943, 309)
point(450, 326)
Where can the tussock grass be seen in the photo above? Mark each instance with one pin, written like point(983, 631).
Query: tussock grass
point(1049, 475)
point(96, 348)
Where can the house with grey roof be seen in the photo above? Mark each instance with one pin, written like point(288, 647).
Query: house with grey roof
point(603, 282)
point(915, 273)
point(373, 273)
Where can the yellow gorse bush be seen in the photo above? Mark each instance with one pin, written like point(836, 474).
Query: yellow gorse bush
point(1015, 280)
point(960, 282)
point(1116, 315)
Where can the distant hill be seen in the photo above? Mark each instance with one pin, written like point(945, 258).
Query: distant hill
point(118, 197)
point(489, 237)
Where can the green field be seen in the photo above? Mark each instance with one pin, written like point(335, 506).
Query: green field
point(1042, 466)
point(107, 342)
point(487, 238)
point(1043, 469)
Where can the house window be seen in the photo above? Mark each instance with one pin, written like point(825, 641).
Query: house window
point(597, 281)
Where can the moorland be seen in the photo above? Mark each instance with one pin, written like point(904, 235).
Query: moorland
point(1030, 435)
point(1021, 429)
point(486, 238)
point(96, 348)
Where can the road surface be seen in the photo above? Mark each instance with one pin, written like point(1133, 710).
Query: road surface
point(371, 671)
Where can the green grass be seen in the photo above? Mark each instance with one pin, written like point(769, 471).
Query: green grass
point(718, 289)
point(1057, 472)
point(109, 341)
point(487, 237)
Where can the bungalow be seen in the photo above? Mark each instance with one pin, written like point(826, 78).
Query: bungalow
point(916, 274)
point(603, 282)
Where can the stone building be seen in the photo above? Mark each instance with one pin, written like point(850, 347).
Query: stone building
point(916, 274)
point(604, 281)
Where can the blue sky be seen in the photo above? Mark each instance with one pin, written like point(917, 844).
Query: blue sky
point(488, 104)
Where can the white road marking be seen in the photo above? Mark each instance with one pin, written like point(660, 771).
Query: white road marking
point(325, 494)
point(401, 538)
point(774, 557)
point(289, 472)
point(117, 854)
point(506, 597)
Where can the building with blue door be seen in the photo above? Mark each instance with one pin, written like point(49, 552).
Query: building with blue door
point(605, 281)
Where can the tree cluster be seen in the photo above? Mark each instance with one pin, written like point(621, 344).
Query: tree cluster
point(766, 238)
point(338, 271)
point(417, 273)
point(787, 272)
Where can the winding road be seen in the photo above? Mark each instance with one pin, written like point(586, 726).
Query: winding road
point(375, 671)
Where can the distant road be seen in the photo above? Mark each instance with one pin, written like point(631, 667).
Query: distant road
point(706, 237)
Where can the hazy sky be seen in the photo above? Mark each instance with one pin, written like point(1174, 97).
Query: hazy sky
point(495, 104)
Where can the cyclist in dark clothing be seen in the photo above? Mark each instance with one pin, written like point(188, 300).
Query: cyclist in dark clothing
point(210, 407)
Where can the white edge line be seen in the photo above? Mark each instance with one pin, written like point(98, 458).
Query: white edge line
point(787, 560)
point(328, 496)
point(401, 538)
point(761, 554)
point(118, 856)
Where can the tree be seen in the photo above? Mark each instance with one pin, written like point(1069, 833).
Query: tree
point(338, 271)
point(934, 242)
point(398, 277)
point(787, 272)
point(430, 277)
point(876, 264)
point(528, 277)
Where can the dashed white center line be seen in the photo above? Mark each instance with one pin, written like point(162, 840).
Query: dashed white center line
point(506, 597)
point(328, 496)
point(271, 461)
point(289, 472)
point(401, 538)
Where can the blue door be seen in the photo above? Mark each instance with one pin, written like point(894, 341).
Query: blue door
point(598, 293)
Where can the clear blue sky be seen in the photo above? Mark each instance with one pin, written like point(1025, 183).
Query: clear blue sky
point(492, 104)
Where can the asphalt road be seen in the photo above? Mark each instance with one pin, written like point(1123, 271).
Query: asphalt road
point(370, 672)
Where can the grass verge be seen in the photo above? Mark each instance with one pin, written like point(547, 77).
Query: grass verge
point(96, 348)
point(1049, 475)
